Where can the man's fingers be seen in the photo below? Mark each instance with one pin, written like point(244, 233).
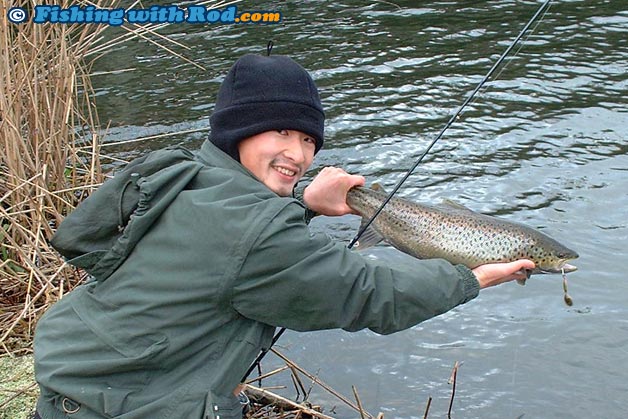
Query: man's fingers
point(523, 264)
point(517, 269)
point(357, 180)
point(497, 273)
point(328, 191)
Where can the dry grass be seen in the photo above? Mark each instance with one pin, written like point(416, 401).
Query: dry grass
point(18, 390)
point(47, 114)
point(49, 162)
point(49, 154)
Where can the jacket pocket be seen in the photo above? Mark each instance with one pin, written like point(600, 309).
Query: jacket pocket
point(119, 331)
point(222, 407)
point(124, 355)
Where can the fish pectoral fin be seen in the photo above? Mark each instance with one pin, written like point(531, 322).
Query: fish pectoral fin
point(369, 238)
point(452, 204)
point(527, 272)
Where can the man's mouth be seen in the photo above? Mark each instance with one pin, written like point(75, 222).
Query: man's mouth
point(285, 171)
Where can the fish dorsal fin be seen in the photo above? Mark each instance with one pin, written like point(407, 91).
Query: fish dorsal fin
point(378, 187)
point(451, 204)
point(369, 238)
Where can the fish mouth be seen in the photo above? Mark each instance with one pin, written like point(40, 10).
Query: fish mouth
point(563, 267)
point(566, 268)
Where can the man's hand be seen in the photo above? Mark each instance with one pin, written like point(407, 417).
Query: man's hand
point(327, 194)
point(496, 273)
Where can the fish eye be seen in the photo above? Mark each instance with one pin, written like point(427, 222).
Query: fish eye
point(567, 255)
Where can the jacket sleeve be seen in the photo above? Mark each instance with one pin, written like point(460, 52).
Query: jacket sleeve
point(301, 281)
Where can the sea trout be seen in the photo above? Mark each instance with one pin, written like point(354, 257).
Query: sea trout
point(455, 233)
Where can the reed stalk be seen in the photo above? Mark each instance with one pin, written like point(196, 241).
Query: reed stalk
point(50, 150)
point(47, 114)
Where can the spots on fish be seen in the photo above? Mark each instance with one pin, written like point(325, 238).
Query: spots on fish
point(458, 235)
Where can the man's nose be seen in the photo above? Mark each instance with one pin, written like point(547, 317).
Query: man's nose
point(294, 149)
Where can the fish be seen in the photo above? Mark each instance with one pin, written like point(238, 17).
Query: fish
point(455, 233)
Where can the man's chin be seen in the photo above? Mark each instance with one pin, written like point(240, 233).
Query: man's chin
point(284, 194)
point(284, 191)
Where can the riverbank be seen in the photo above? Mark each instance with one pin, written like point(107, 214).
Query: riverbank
point(19, 392)
point(18, 389)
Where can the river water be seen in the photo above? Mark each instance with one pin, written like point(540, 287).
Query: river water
point(544, 144)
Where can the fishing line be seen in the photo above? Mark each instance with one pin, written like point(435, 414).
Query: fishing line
point(366, 225)
point(416, 164)
point(515, 54)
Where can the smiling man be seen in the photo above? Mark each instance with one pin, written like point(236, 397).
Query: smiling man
point(196, 259)
point(278, 158)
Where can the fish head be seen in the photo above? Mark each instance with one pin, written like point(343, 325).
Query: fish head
point(555, 260)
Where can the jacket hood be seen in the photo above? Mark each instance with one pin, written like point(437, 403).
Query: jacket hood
point(101, 232)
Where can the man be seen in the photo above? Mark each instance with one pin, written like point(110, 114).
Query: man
point(196, 259)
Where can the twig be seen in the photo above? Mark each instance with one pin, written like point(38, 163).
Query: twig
point(102, 73)
point(427, 408)
point(357, 399)
point(297, 380)
point(17, 394)
point(282, 401)
point(452, 381)
point(275, 388)
point(268, 374)
point(152, 137)
point(309, 390)
point(296, 387)
point(320, 382)
point(27, 306)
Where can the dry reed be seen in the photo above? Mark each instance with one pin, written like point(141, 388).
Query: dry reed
point(46, 115)
point(50, 154)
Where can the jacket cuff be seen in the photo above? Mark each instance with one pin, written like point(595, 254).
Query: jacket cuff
point(297, 194)
point(471, 286)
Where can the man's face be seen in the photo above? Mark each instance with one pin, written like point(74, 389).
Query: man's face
point(278, 158)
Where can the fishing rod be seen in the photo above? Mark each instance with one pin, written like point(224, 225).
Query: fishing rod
point(366, 225)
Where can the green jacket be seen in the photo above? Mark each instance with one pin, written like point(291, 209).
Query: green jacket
point(206, 263)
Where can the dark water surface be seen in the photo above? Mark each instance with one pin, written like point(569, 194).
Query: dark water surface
point(544, 144)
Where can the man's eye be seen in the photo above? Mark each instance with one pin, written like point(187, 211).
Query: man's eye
point(282, 131)
point(310, 140)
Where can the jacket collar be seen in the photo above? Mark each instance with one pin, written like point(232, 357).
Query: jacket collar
point(211, 155)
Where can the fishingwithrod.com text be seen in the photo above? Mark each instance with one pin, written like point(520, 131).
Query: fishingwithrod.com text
point(155, 14)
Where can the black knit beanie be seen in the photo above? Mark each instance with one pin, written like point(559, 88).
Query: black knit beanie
point(265, 93)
